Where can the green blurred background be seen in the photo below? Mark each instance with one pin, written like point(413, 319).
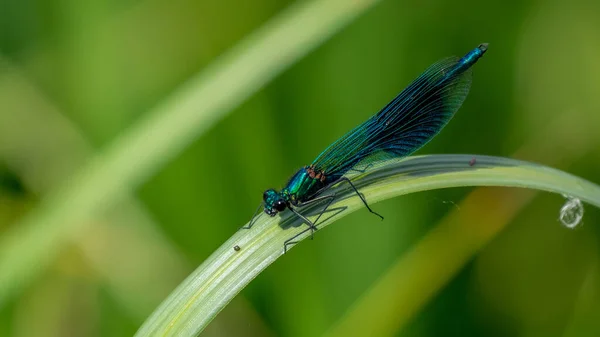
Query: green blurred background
point(76, 74)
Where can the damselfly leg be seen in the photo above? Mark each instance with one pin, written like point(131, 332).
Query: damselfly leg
point(331, 197)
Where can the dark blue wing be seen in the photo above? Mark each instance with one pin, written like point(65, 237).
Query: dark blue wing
point(409, 121)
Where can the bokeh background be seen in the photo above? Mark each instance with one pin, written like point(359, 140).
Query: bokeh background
point(76, 74)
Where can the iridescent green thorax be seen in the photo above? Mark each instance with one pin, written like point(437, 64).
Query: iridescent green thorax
point(305, 183)
point(301, 187)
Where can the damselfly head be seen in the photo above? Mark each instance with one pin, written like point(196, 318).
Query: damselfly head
point(274, 203)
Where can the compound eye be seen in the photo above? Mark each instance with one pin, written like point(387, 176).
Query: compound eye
point(279, 205)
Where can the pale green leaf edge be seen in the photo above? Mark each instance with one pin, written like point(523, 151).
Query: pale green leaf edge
point(189, 309)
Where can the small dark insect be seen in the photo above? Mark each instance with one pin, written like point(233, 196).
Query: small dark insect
point(472, 161)
point(236, 248)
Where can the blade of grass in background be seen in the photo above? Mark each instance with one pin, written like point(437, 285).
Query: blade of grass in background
point(55, 148)
point(428, 266)
point(206, 291)
point(415, 278)
point(139, 152)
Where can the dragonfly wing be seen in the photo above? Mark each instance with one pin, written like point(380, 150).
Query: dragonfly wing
point(405, 124)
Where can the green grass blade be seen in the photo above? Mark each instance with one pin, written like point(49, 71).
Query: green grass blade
point(204, 293)
point(35, 241)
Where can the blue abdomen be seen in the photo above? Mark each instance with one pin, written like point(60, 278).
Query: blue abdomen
point(468, 60)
